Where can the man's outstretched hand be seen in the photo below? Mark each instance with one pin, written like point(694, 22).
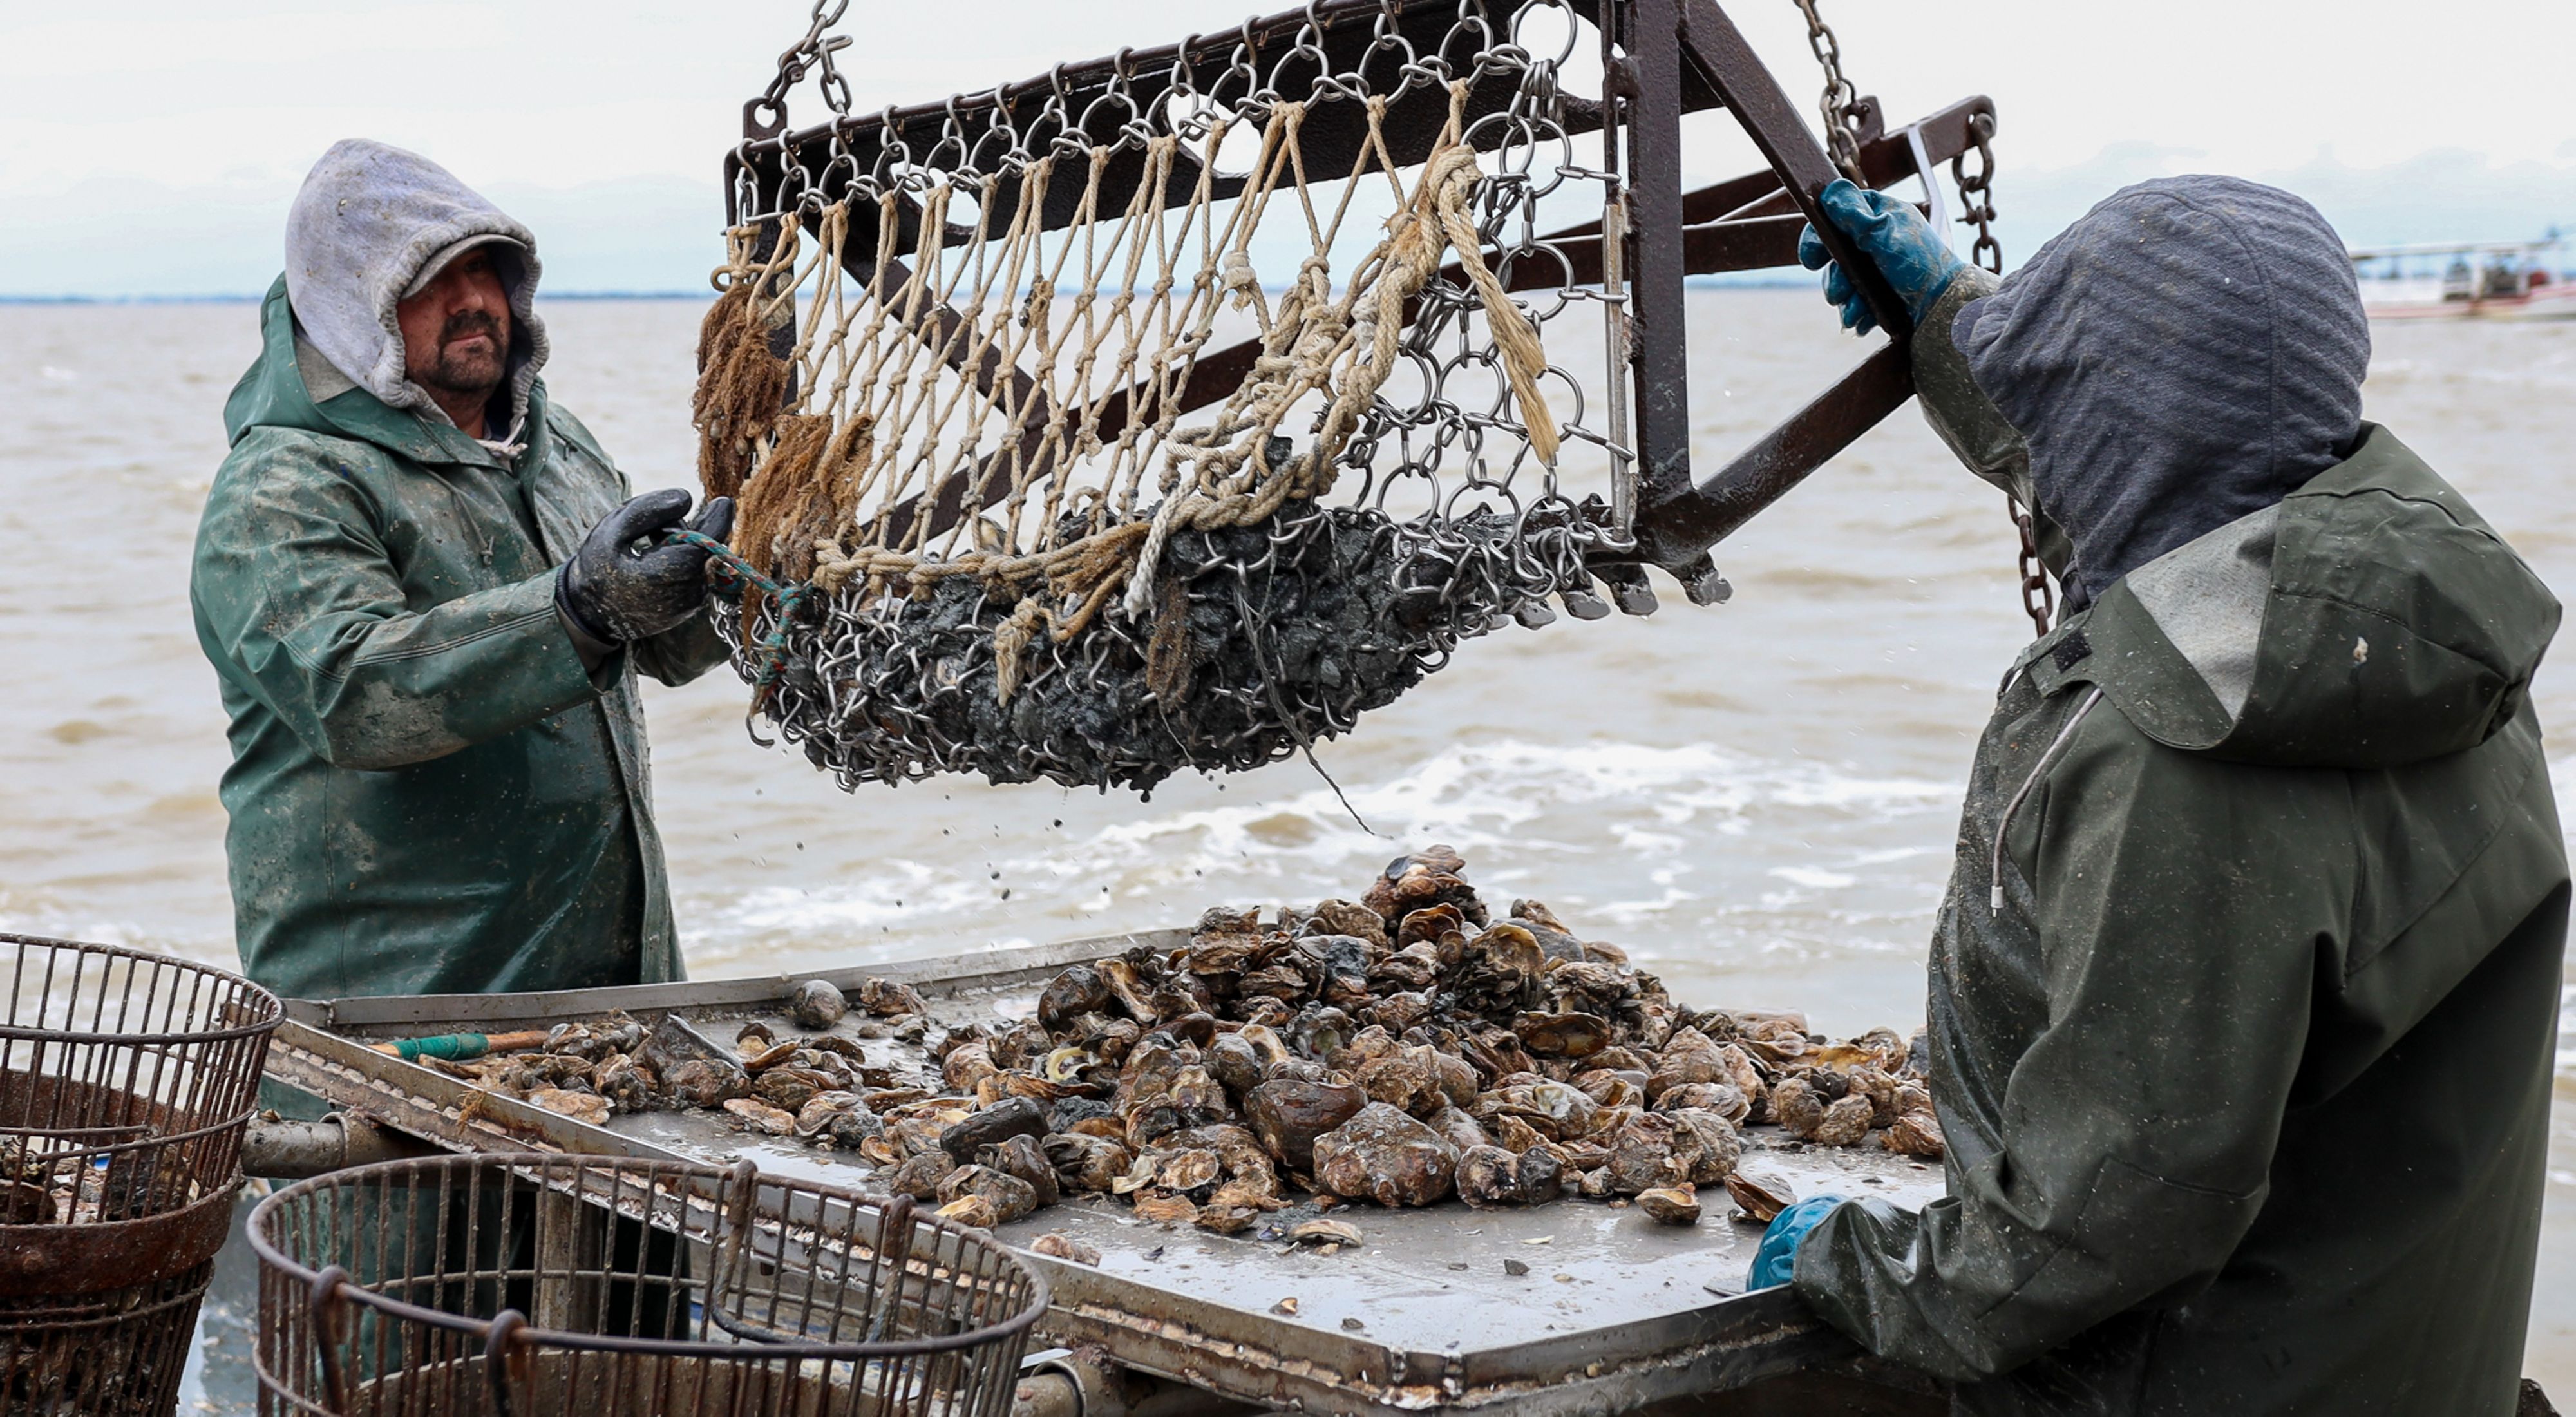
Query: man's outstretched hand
point(625, 583)
point(1905, 248)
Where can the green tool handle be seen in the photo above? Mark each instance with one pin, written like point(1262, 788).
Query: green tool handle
point(458, 1047)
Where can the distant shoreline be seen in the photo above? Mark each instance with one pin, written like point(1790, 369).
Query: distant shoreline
point(253, 299)
point(1743, 282)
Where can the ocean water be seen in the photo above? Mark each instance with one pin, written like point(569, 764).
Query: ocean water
point(1757, 799)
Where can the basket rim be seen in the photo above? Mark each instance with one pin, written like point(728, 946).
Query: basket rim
point(1041, 1294)
point(255, 995)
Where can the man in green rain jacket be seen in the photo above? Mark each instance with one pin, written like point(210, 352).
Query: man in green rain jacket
point(2243, 997)
point(427, 609)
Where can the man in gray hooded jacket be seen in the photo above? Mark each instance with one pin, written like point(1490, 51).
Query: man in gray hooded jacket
point(427, 596)
point(2243, 997)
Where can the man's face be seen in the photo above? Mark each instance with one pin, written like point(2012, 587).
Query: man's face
point(456, 331)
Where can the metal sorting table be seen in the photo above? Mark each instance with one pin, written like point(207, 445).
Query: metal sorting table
point(1615, 1312)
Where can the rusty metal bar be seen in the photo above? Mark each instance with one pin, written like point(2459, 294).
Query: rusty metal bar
point(1716, 49)
point(1680, 528)
point(1659, 345)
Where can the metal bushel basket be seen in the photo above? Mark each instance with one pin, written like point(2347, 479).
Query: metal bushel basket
point(561, 1286)
point(125, 1081)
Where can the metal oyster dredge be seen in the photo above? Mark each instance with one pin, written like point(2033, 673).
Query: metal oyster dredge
point(1172, 410)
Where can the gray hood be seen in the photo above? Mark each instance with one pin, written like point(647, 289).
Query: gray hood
point(2189, 353)
point(369, 220)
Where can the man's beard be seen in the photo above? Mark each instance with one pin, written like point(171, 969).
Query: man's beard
point(465, 372)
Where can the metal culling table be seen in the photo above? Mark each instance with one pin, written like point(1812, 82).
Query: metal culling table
point(1614, 1313)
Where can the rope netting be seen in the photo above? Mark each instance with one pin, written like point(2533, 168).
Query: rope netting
point(1140, 427)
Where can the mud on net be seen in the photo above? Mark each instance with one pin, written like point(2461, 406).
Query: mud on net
point(1168, 415)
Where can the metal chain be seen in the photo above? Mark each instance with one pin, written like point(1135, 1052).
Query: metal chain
point(1840, 104)
point(812, 53)
point(1977, 194)
point(2037, 600)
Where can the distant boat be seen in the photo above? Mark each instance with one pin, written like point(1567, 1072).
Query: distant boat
point(2486, 280)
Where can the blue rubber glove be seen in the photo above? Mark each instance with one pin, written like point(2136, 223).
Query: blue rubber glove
point(1905, 248)
point(1776, 1258)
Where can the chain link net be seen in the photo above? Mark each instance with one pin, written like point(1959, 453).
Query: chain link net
point(1111, 434)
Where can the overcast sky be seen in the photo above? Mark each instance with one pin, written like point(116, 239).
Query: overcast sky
point(150, 147)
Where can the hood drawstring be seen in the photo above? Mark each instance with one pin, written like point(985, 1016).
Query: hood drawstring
point(1995, 861)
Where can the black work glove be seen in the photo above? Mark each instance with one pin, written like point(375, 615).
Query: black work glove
point(625, 583)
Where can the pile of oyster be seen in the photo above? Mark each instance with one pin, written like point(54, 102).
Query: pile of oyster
point(1400, 1049)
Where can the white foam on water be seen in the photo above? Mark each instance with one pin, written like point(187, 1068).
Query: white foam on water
point(1641, 818)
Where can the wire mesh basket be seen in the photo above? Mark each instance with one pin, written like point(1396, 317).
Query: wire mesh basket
point(125, 1081)
point(105, 1353)
point(598, 1286)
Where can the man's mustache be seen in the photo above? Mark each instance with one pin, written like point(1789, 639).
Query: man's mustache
point(466, 322)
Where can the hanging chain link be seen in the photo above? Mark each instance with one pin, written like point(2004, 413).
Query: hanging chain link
point(2037, 600)
point(1977, 193)
point(1840, 104)
point(813, 53)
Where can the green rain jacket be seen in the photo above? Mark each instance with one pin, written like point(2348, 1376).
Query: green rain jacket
point(428, 793)
point(2246, 1071)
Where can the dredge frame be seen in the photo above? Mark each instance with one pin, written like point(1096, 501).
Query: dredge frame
point(1662, 59)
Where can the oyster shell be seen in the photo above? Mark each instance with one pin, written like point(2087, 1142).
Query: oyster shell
point(1193, 1169)
point(833, 1116)
point(1670, 1205)
point(1563, 1035)
point(1226, 1219)
point(1916, 1134)
point(1458, 1129)
point(1760, 1200)
point(628, 1085)
point(790, 1088)
point(1491, 1176)
point(1880, 1088)
point(1641, 1154)
point(1164, 1209)
point(1404, 1079)
point(1706, 1146)
point(1011, 1117)
point(1344, 917)
point(1235, 1063)
point(1087, 1163)
point(706, 1082)
point(761, 1116)
point(1557, 1111)
point(1747, 1079)
point(1797, 1108)
point(919, 1176)
point(1719, 1097)
point(1845, 1122)
point(1289, 1116)
point(966, 1065)
point(1020, 1156)
point(817, 1004)
point(1056, 1245)
point(886, 999)
point(1386, 1156)
point(1325, 1232)
point(1399, 1012)
point(973, 1212)
point(1011, 1197)
point(1076, 990)
point(580, 1106)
